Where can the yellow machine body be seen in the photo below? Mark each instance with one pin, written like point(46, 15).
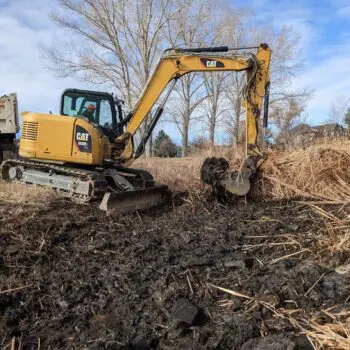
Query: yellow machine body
point(88, 134)
point(62, 138)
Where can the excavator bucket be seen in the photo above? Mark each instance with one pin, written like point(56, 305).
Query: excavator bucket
point(236, 183)
point(215, 172)
point(129, 201)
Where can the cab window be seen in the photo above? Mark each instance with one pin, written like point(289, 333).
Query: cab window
point(94, 108)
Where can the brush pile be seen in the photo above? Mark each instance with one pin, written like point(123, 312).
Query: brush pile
point(317, 173)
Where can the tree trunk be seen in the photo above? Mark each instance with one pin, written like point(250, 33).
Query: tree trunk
point(184, 141)
point(149, 146)
point(212, 134)
point(237, 122)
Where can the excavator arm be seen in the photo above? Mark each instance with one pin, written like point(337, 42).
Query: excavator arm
point(178, 62)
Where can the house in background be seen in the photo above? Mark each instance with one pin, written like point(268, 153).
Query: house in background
point(304, 135)
point(331, 131)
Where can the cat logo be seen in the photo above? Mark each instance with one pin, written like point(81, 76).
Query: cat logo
point(211, 64)
point(208, 63)
point(83, 139)
point(83, 136)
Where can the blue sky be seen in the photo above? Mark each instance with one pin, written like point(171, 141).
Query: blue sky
point(323, 26)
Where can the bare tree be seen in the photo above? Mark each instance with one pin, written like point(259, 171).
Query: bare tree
point(235, 33)
point(338, 109)
point(110, 42)
point(224, 24)
point(284, 65)
point(213, 108)
point(194, 18)
point(117, 43)
point(233, 116)
point(287, 114)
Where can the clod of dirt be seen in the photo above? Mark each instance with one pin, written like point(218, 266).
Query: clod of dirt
point(235, 264)
point(186, 237)
point(2, 263)
point(142, 343)
point(60, 239)
point(212, 169)
point(271, 342)
point(334, 286)
point(303, 343)
point(200, 261)
point(238, 330)
point(185, 311)
point(63, 303)
point(343, 270)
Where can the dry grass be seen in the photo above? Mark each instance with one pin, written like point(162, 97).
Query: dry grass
point(319, 175)
point(320, 172)
point(333, 236)
point(330, 335)
point(13, 193)
point(182, 174)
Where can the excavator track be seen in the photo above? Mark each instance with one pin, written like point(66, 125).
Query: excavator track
point(133, 189)
point(92, 183)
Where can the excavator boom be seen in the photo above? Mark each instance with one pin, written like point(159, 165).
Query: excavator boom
point(178, 62)
point(173, 65)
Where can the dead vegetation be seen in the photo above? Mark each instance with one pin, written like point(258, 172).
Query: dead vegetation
point(182, 174)
point(16, 193)
point(319, 173)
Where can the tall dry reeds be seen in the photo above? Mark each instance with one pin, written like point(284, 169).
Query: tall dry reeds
point(319, 172)
point(319, 176)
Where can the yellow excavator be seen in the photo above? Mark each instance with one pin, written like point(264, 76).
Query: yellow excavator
point(88, 148)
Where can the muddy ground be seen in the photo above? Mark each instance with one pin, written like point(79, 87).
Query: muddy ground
point(146, 281)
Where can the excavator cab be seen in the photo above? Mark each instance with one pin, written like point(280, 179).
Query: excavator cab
point(103, 114)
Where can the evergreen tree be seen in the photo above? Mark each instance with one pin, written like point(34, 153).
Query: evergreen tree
point(164, 146)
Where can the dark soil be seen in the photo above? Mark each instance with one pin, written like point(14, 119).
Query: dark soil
point(145, 281)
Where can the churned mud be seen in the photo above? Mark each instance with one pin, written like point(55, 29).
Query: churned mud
point(193, 275)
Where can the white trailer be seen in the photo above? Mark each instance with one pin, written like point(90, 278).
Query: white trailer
point(9, 125)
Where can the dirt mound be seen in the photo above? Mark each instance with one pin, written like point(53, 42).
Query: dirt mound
point(71, 277)
point(212, 170)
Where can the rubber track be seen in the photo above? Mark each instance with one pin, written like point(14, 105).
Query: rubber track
point(95, 177)
point(143, 178)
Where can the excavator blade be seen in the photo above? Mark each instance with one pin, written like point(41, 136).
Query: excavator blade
point(129, 201)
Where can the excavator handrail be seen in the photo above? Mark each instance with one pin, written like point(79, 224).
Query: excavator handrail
point(212, 48)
